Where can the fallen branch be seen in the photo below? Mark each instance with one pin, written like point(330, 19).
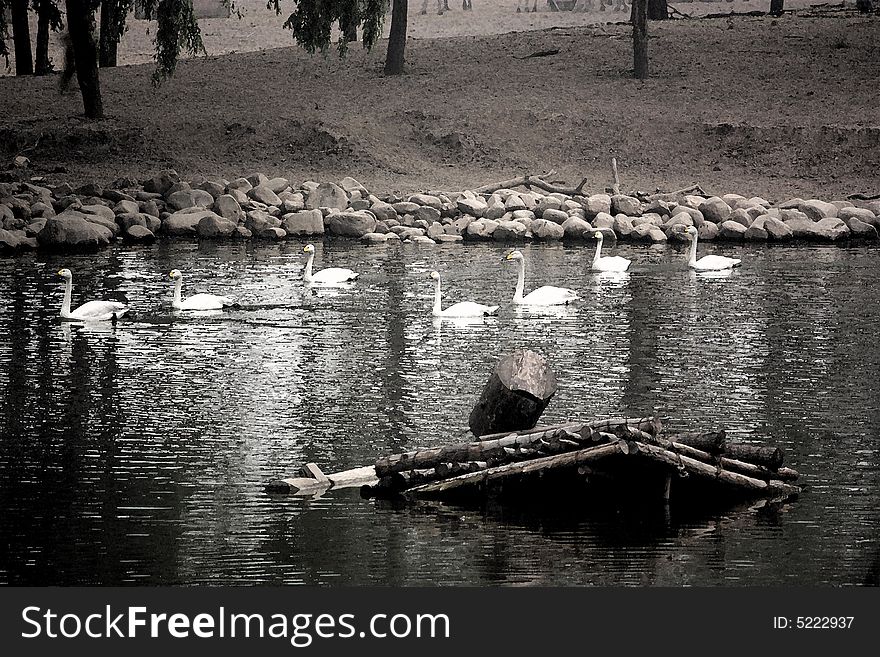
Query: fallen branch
point(540, 53)
point(532, 181)
point(673, 196)
point(863, 197)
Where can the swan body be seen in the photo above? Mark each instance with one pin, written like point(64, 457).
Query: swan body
point(607, 263)
point(546, 295)
point(325, 276)
point(196, 301)
point(460, 309)
point(709, 262)
point(94, 311)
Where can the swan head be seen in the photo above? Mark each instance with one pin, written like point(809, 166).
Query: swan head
point(174, 274)
point(597, 235)
point(309, 248)
point(514, 255)
point(65, 273)
point(435, 275)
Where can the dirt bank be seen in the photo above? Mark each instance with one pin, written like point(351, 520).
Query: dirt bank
point(748, 105)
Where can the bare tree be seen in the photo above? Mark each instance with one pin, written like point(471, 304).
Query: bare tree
point(640, 38)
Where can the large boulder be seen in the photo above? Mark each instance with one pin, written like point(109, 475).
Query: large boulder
point(816, 209)
point(472, 205)
point(161, 182)
point(715, 210)
point(190, 198)
point(264, 195)
point(351, 224)
point(138, 235)
point(628, 205)
point(859, 228)
point(227, 207)
point(9, 242)
point(731, 230)
point(556, 216)
point(72, 230)
point(774, 227)
point(596, 204)
point(328, 195)
point(546, 230)
point(305, 222)
point(185, 222)
point(213, 226)
point(575, 228)
point(481, 229)
point(862, 214)
point(508, 231)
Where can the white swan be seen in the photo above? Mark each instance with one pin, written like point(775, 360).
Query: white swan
point(607, 263)
point(709, 262)
point(324, 276)
point(546, 295)
point(94, 311)
point(196, 301)
point(460, 309)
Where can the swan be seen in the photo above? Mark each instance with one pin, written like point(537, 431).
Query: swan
point(196, 301)
point(460, 309)
point(607, 263)
point(329, 275)
point(546, 295)
point(709, 262)
point(96, 311)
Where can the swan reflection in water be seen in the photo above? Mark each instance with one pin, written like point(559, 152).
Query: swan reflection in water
point(717, 274)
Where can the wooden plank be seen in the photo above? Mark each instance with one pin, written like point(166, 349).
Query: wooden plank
point(363, 476)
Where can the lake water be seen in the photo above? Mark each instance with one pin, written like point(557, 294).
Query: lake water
point(138, 453)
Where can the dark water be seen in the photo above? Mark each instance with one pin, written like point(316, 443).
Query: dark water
point(138, 453)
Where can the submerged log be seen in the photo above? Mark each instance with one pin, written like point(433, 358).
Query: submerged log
point(698, 468)
point(568, 459)
point(770, 457)
point(495, 449)
point(516, 394)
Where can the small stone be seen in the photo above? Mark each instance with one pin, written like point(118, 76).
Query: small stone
point(374, 237)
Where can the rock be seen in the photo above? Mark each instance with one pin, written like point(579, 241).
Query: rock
point(546, 230)
point(305, 222)
point(114, 196)
point(327, 195)
point(549, 203)
point(190, 198)
point(126, 207)
point(427, 200)
point(149, 207)
point(481, 229)
point(161, 182)
point(351, 224)
point(514, 202)
point(775, 228)
point(791, 204)
point(623, 226)
point(423, 240)
point(509, 231)
point(227, 207)
point(184, 222)
point(427, 213)
point(405, 207)
point(790, 215)
point(242, 185)
point(556, 216)
point(595, 205)
point(242, 233)
point(859, 228)
point(350, 185)
point(474, 206)
point(708, 231)
point(828, 229)
point(680, 219)
point(408, 233)
point(575, 228)
point(651, 220)
point(862, 214)
point(742, 217)
point(277, 185)
point(816, 209)
point(72, 230)
point(374, 237)
point(603, 220)
point(102, 220)
point(755, 234)
point(292, 202)
point(832, 228)
point(138, 234)
point(9, 242)
point(733, 199)
point(661, 207)
point(264, 195)
point(628, 205)
point(731, 230)
point(257, 179)
point(214, 226)
point(695, 214)
point(446, 239)
point(40, 209)
point(214, 188)
point(383, 211)
point(90, 189)
point(20, 162)
point(495, 210)
point(129, 219)
point(33, 228)
point(434, 229)
point(272, 233)
point(715, 210)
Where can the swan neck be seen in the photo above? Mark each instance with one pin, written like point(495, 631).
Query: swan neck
point(520, 281)
point(437, 306)
point(177, 285)
point(307, 276)
point(598, 250)
point(693, 257)
point(65, 305)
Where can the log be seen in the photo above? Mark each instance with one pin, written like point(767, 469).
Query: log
point(516, 394)
point(493, 449)
point(532, 181)
point(615, 186)
point(676, 195)
point(770, 457)
point(706, 471)
point(569, 459)
point(707, 441)
point(365, 475)
point(673, 443)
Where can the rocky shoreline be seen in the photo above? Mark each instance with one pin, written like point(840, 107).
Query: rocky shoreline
point(62, 218)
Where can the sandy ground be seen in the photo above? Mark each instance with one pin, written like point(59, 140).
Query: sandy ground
point(749, 105)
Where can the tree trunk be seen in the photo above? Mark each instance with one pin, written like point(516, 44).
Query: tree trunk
point(657, 10)
point(21, 35)
point(108, 38)
point(81, 25)
point(776, 7)
point(515, 396)
point(396, 39)
point(42, 66)
point(640, 39)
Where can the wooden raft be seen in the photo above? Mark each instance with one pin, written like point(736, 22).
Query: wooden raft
point(435, 472)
